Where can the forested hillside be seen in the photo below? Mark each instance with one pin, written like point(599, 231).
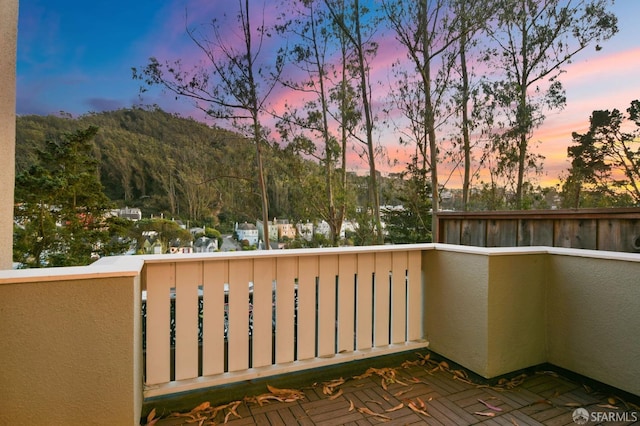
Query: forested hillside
point(166, 164)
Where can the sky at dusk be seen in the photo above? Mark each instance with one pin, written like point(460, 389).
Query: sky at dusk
point(76, 56)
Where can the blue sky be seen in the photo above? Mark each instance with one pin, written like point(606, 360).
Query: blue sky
point(77, 57)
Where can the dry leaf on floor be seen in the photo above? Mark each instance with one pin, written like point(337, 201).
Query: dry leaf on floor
point(396, 408)
point(351, 405)
point(415, 408)
point(402, 392)
point(336, 395)
point(204, 406)
point(613, 407)
point(485, 414)
point(365, 410)
point(330, 386)
point(489, 406)
point(151, 418)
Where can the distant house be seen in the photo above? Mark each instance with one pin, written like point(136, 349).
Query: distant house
point(130, 213)
point(323, 229)
point(348, 226)
point(247, 231)
point(152, 246)
point(205, 245)
point(273, 230)
point(196, 231)
point(305, 230)
point(285, 229)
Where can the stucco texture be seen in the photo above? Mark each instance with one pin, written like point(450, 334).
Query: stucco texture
point(70, 352)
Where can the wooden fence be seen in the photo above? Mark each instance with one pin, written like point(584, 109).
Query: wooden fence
point(597, 229)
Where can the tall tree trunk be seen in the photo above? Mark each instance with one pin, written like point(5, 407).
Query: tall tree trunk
point(374, 196)
point(466, 143)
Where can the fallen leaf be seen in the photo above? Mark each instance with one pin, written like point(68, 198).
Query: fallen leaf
point(460, 373)
point(151, 415)
point(396, 408)
point(204, 406)
point(351, 405)
point(611, 400)
point(365, 410)
point(402, 392)
point(412, 405)
point(486, 414)
point(489, 406)
point(336, 395)
point(573, 404)
point(613, 407)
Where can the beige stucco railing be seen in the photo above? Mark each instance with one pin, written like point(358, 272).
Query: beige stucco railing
point(73, 349)
point(305, 309)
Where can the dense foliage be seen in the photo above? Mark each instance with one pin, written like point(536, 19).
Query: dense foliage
point(61, 208)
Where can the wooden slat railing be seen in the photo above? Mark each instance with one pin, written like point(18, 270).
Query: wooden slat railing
point(286, 311)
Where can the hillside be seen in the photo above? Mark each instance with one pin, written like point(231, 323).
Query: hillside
point(162, 163)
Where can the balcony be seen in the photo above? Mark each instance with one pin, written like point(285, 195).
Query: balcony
point(75, 351)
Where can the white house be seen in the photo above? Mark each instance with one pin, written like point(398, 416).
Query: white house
point(323, 229)
point(305, 230)
point(247, 231)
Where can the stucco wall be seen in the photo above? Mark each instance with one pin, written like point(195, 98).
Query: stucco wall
point(484, 309)
point(516, 336)
point(456, 317)
point(8, 37)
point(71, 352)
point(593, 322)
point(496, 311)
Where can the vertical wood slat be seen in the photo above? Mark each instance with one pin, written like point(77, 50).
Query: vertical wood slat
point(215, 275)
point(381, 299)
point(364, 309)
point(262, 336)
point(160, 278)
point(398, 297)
point(188, 278)
point(286, 269)
point(240, 274)
point(307, 273)
point(415, 297)
point(346, 302)
point(327, 271)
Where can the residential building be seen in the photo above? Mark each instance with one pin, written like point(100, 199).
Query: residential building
point(247, 231)
point(305, 230)
point(285, 229)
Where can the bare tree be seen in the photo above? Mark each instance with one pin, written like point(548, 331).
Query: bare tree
point(429, 34)
point(233, 84)
point(327, 105)
point(347, 15)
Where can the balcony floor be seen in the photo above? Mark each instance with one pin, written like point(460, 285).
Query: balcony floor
point(535, 398)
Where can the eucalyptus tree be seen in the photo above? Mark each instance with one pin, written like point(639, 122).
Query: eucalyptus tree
point(234, 82)
point(473, 19)
point(530, 44)
point(429, 32)
point(320, 127)
point(356, 23)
